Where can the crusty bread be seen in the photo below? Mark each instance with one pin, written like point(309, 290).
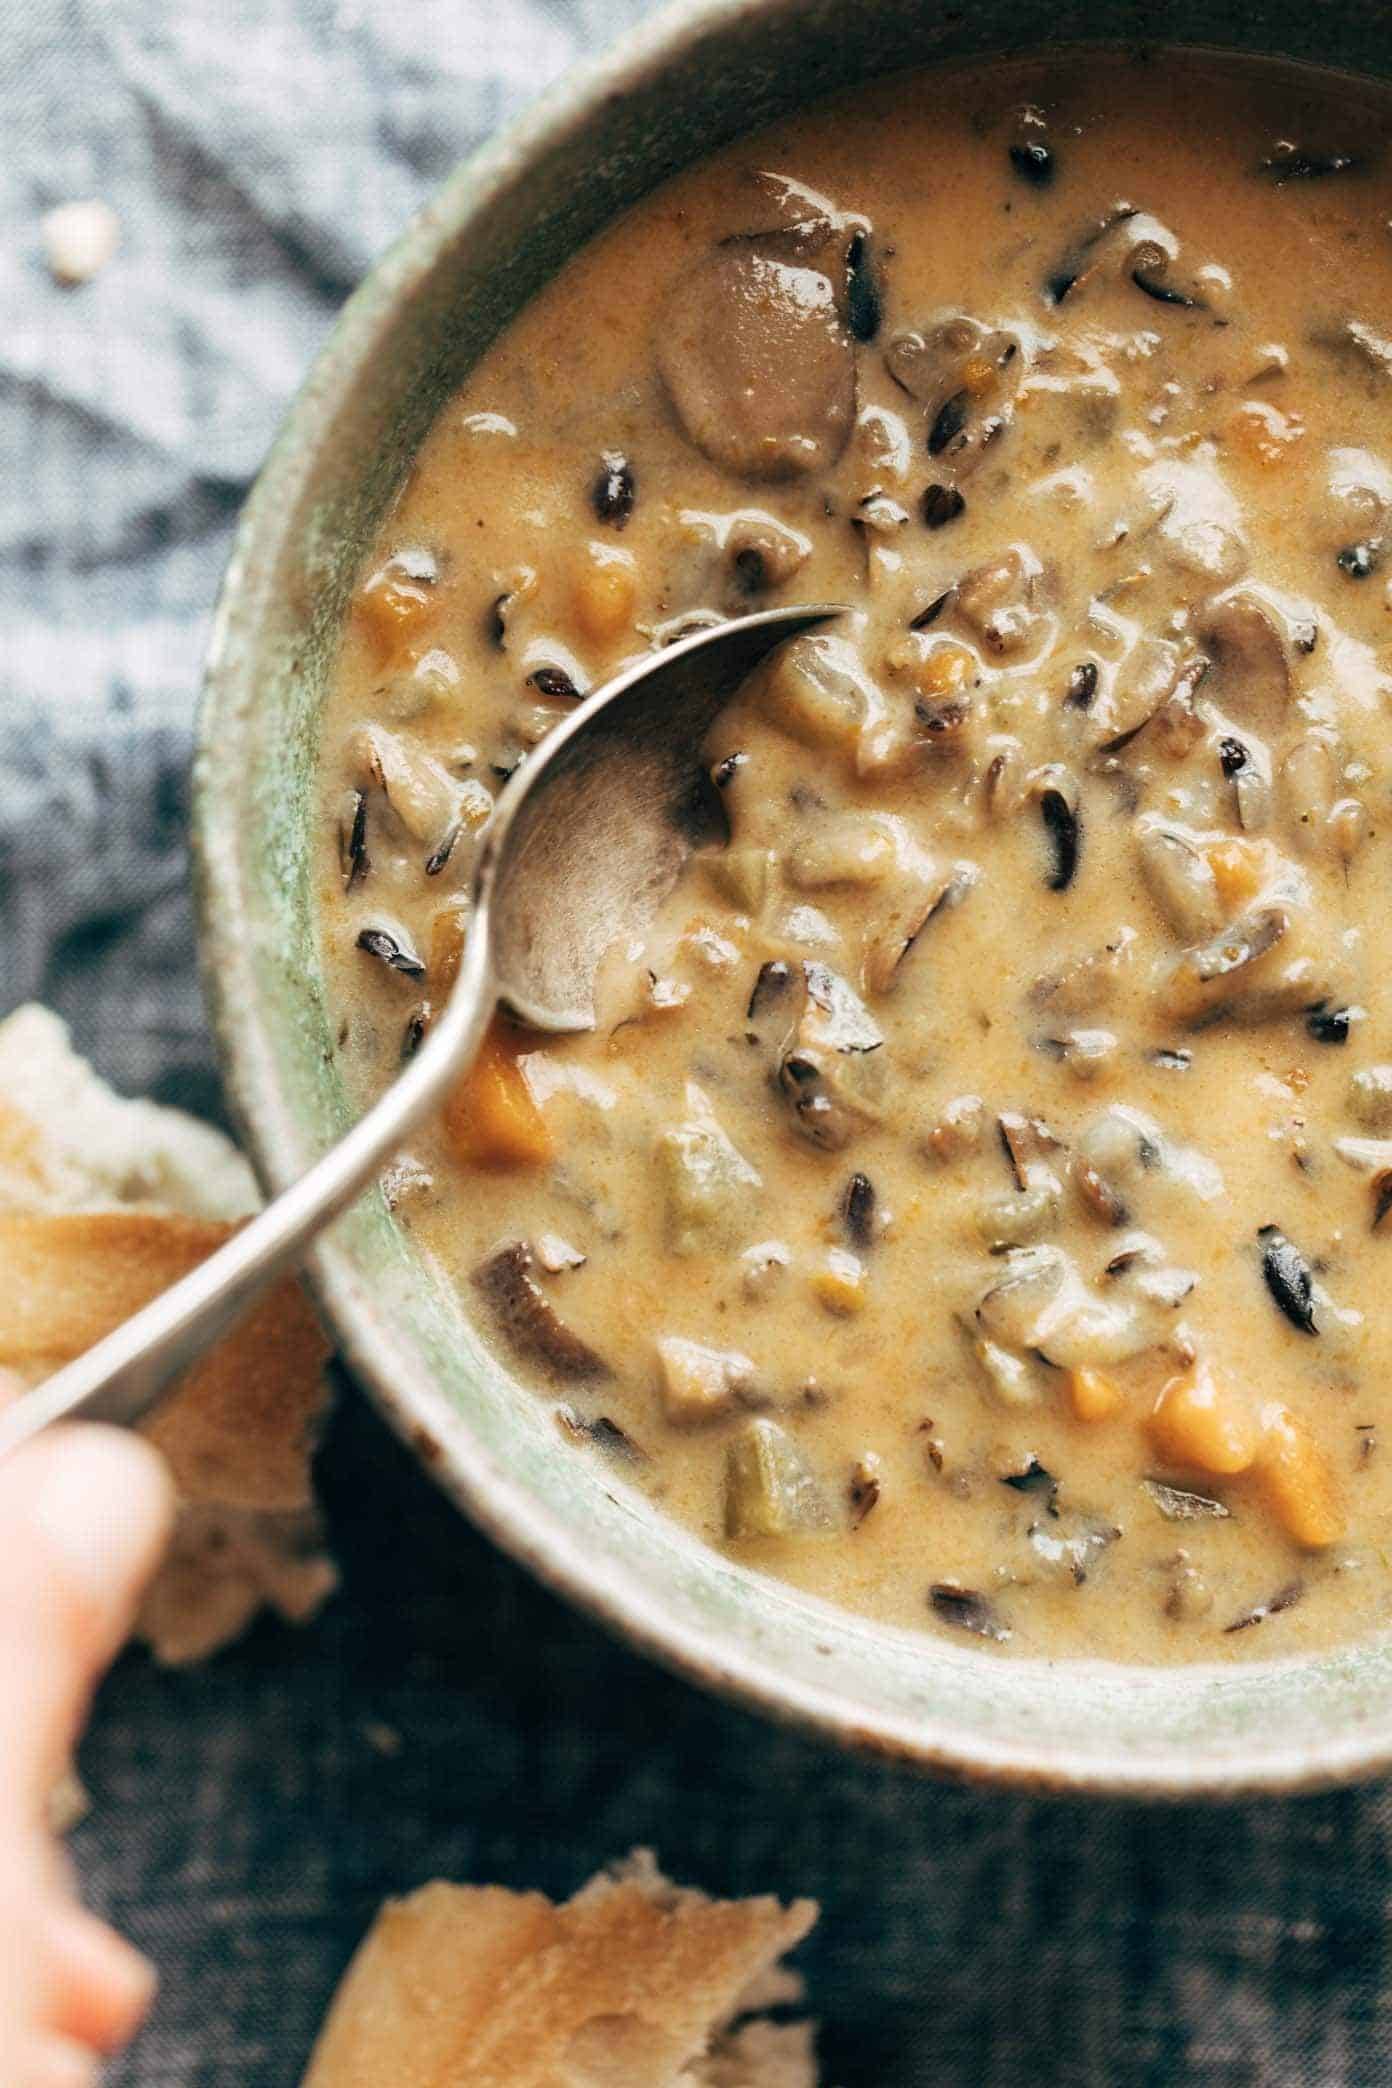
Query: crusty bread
point(103, 1203)
point(634, 1983)
point(80, 1146)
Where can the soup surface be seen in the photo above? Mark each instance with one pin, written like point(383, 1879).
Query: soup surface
point(970, 1202)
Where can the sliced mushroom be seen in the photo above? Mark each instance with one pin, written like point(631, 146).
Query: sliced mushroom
point(998, 600)
point(830, 1069)
point(1146, 680)
point(1102, 248)
point(1309, 782)
point(529, 1321)
point(1179, 877)
point(790, 216)
point(1224, 970)
point(1087, 983)
point(1257, 637)
point(758, 363)
point(419, 789)
point(965, 376)
point(818, 690)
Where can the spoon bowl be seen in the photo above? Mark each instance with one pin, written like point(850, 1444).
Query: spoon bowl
point(586, 840)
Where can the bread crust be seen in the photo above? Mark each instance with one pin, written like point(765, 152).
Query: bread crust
point(631, 1984)
point(89, 1232)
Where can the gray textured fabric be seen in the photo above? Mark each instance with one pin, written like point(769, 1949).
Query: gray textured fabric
point(247, 1819)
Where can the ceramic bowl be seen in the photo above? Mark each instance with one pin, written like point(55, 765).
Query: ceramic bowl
point(695, 76)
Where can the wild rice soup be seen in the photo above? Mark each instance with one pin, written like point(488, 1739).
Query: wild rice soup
point(970, 1205)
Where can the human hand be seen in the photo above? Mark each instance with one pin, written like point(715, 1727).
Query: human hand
point(84, 1515)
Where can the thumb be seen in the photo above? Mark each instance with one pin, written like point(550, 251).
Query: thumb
point(85, 1513)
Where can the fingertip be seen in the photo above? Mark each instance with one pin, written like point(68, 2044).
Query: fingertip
point(102, 1502)
point(85, 1512)
point(103, 1986)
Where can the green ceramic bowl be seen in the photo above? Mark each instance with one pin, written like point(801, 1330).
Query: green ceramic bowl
point(697, 75)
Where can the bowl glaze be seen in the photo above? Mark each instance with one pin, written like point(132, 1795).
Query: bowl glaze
point(693, 77)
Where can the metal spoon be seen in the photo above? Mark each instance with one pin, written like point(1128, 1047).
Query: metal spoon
point(585, 841)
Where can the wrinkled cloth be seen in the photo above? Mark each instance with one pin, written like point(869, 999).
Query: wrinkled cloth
point(446, 1715)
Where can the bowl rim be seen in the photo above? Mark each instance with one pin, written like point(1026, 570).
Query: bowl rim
point(507, 1512)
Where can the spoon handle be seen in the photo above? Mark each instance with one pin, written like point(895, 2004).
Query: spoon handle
point(125, 1373)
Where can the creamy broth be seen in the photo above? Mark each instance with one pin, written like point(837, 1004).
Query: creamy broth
point(969, 1204)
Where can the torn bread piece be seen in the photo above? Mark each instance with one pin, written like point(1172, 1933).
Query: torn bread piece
point(634, 1983)
point(103, 1204)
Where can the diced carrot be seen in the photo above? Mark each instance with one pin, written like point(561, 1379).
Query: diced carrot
point(394, 602)
point(1094, 1395)
point(1199, 1422)
point(839, 1284)
point(1297, 1479)
point(1263, 434)
point(1239, 868)
point(943, 669)
point(492, 1119)
point(604, 593)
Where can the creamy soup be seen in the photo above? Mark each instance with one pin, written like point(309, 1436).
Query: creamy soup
point(970, 1203)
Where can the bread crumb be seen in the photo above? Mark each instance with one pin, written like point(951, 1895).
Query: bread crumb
point(382, 1738)
point(634, 1983)
point(79, 239)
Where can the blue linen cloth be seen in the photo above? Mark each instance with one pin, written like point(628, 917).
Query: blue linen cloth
point(446, 1716)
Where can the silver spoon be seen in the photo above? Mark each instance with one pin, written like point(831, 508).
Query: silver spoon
point(585, 841)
